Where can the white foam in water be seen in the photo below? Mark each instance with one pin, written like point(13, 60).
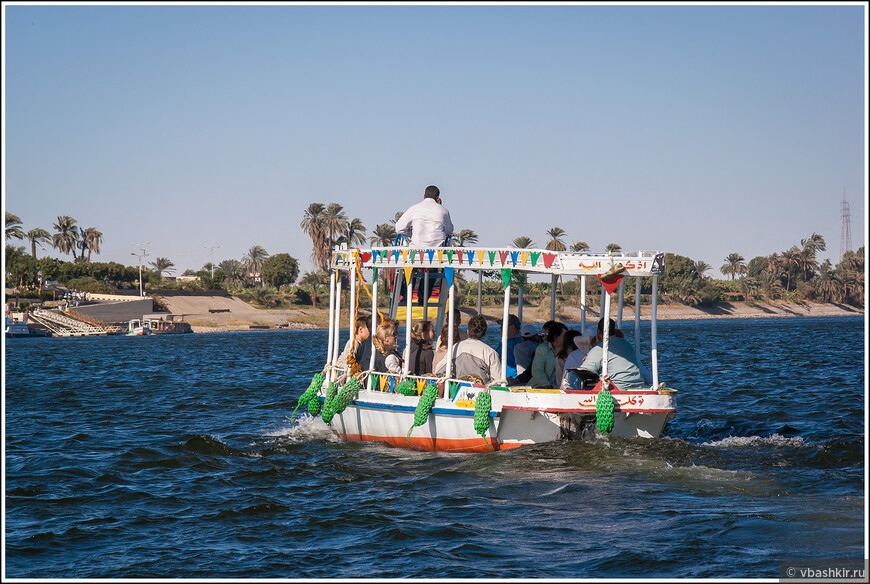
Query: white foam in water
point(305, 428)
point(744, 441)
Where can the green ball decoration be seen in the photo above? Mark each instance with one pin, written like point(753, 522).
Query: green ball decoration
point(604, 411)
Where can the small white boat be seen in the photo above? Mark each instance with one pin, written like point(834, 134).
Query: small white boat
point(137, 327)
point(460, 415)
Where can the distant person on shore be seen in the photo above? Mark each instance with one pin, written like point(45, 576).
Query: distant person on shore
point(622, 366)
point(385, 344)
point(420, 353)
point(472, 356)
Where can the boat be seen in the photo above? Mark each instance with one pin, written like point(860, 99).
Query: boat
point(136, 328)
point(444, 413)
point(19, 328)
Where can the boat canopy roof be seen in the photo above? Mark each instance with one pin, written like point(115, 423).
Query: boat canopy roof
point(543, 261)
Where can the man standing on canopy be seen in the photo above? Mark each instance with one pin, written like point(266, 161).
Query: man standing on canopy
point(426, 224)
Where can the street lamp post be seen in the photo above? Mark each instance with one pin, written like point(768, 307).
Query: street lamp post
point(141, 255)
point(211, 247)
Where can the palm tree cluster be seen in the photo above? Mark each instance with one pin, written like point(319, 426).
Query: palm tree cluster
point(796, 274)
point(68, 236)
point(327, 226)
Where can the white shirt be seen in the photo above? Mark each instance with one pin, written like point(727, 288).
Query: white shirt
point(426, 224)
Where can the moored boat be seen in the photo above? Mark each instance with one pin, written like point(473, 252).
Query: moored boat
point(138, 328)
point(446, 413)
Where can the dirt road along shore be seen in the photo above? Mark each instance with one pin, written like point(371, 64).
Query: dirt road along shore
point(220, 313)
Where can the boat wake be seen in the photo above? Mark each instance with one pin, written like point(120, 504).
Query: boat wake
point(774, 440)
point(304, 429)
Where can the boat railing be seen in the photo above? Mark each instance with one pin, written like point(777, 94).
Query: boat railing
point(610, 268)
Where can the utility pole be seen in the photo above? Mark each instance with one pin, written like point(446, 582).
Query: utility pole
point(141, 255)
point(846, 229)
point(211, 247)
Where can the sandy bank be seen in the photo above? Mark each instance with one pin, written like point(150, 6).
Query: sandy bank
point(221, 314)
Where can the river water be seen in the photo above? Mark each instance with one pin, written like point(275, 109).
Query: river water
point(175, 457)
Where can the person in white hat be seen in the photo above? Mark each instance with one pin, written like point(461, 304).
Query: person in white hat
point(524, 350)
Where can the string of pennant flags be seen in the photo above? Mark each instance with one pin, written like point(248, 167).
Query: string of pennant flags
point(496, 258)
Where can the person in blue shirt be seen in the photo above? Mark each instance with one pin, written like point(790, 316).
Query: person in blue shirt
point(513, 339)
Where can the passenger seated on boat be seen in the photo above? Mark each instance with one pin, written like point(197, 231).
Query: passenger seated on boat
point(622, 366)
point(571, 379)
point(513, 339)
point(458, 335)
point(525, 349)
point(353, 345)
point(441, 343)
point(544, 364)
point(364, 355)
point(472, 356)
point(420, 353)
point(568, 347)
point(387, 358)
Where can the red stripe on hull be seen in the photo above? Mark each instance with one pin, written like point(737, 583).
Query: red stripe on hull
point(434, 445)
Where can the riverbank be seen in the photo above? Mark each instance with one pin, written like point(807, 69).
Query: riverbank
point(213, 314)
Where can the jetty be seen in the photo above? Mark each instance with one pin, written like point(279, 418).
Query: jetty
point(71, 324)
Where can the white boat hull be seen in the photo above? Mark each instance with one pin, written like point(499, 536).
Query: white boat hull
point(517, 417)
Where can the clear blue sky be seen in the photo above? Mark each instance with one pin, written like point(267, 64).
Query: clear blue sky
point(700, 130)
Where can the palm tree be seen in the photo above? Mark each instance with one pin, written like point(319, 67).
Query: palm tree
point(791, 258)
point(698, 269)
point(463, 237)
point(13, 226)
point(36, 236)
point(734, 265)
point(523, 242)
point(314, 280)
point(814, 241)
point(354, 234)
point(579, 247)
point(253, 260)
point(828, 286)
point(613, 248)
point(233, 271)
point(396, 217)
point(162, 265)
point(383, 235)
point(67, 236)
point(555, 243)
point(312, 225)
point(93, 240)
point(334, 223)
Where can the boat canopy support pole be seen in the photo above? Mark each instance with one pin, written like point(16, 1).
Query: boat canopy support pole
point(553, 297)
point(504, 330)
point(654, 332)
point(337, 321)
point(374, 325)
point(409, 299)
point(619, 303)
point(352, 308)
point(425, 294)
point(449, 355)
point(520, 298)
point(606, 332)
point(331, 315)
point(582, 303)
point(479, 289)
point(637, 318)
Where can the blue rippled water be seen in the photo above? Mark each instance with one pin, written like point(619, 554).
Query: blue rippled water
point(175, 457)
